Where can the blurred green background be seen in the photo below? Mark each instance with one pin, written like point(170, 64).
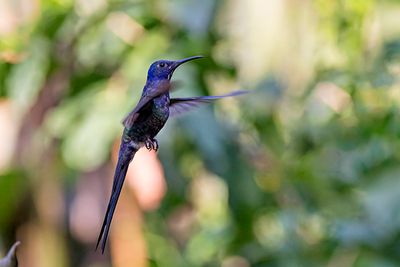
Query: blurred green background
point(305, 171)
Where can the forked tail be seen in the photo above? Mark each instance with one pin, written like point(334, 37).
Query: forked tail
point(126, 152)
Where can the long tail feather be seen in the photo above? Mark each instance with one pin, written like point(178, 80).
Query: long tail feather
point(126, 153)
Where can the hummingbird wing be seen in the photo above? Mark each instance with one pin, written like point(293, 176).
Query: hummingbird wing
point(152, 92)
point(181, 105)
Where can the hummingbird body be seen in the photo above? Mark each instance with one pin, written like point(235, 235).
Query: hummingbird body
point(148, 125)
point(144, 122)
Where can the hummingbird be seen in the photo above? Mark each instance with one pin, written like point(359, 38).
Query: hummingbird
point(144, 122)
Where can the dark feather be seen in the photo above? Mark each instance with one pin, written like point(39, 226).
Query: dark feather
point(148, 95)
point(126, 153)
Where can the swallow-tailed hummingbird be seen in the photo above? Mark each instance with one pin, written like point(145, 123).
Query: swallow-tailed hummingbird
point(144, 122)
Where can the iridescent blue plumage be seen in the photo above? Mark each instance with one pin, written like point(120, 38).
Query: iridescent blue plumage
point(144, 122)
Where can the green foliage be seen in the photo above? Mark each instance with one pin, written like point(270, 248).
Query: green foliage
point(302, 172)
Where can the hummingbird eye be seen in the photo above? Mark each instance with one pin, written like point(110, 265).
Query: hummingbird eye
point(162, 65)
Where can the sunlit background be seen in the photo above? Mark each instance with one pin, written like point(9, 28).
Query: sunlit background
point(304, 171)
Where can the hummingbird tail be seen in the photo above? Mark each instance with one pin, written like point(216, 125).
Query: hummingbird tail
point(126, 152)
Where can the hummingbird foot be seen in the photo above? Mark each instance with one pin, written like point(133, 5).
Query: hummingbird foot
point(151, 144)
point(155, 145)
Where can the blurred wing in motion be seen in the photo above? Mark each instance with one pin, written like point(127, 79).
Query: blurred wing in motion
point(181, 105)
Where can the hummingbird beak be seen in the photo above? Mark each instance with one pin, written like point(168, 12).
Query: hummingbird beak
point(177, 63)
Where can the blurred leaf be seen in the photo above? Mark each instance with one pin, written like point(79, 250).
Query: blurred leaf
point(13, 185)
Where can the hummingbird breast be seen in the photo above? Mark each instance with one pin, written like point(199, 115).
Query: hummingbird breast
point(151, 122)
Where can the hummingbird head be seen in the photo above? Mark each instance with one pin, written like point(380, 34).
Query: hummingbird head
point(163, 69)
